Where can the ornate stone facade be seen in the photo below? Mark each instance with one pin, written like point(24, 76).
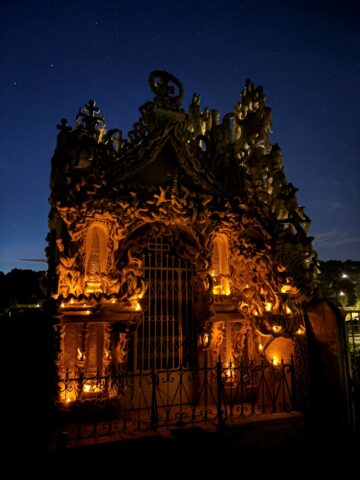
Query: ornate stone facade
point(216, 188)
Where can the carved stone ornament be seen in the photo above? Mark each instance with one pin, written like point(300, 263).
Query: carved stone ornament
point(193, 174)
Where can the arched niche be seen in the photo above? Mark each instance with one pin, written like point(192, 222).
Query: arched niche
point(220, 270)
point(95, 258)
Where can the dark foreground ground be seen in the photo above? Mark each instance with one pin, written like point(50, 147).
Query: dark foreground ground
point(262, 444)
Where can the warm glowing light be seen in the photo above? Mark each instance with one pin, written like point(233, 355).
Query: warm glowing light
point(288, 310)
point(79, 354)
point(87, 312)
point(138, 307)
point(68, 397)
point(218, 290)
point(300, 330)
point(222, 290)
point(277, 328)
point(344, 275)
point(261, 348)
point(93, 286)
point(342, 294)
point(93, 388)
point(285, 288)
point(113, 301)
point(72, 301)
point(212, 273)
point(229, 371)
point(268, 306)
point(85, 305)
point(275, 360)
point(62, 305)
point(206, 339)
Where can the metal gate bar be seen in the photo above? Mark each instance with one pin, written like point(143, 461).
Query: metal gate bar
point(167, 322)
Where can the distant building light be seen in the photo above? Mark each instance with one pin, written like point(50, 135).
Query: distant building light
point(344, 275)
point(342, 294)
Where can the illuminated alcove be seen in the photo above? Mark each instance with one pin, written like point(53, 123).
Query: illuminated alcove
point(95, 259)
point(220, 265)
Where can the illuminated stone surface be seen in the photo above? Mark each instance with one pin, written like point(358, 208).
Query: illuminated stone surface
point(215, 190)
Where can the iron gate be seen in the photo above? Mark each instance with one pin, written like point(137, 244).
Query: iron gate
point(166, 337)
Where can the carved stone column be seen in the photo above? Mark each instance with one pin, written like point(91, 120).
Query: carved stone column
point(60, 332)
point(106, 359)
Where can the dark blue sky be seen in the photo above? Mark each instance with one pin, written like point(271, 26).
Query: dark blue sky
point(56, 55)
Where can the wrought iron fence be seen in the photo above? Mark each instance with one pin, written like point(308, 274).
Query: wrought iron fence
point(352, 323)
point(123, 402)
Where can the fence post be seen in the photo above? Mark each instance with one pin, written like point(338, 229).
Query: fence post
point(293, 384)
point(219, 392)
point(154, 412)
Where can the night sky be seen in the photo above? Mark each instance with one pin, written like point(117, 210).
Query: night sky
point(56, 55)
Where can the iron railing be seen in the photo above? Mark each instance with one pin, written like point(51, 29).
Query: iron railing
point(124, 402)
point(352, 323)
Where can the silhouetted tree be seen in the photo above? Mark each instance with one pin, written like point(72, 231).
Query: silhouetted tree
point(337, 282)
point(21, 287)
